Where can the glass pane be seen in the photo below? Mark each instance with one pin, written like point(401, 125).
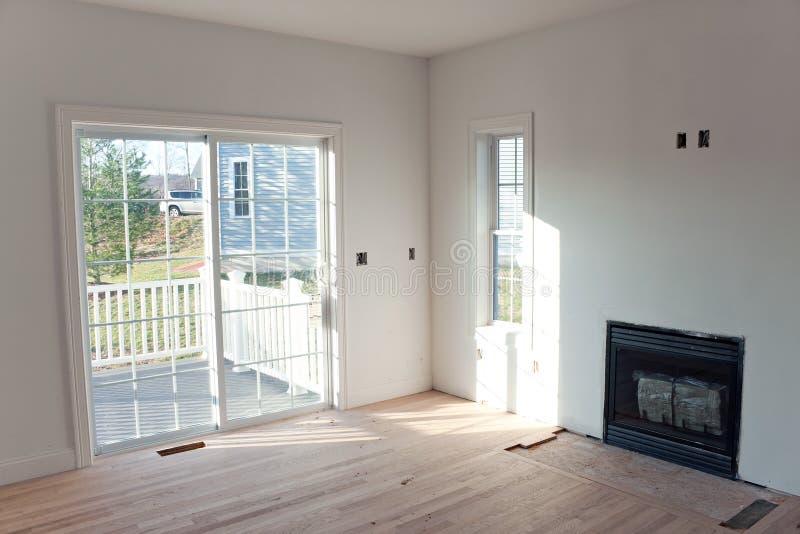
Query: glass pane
point(227, 155)
point(143, 272)
point(195, 401)
point(269, 171)
point(109, 344)
point(145, 178)
point(153, 339)
point(241, 208)
point(301, 168)
point(510, 184)
point(239, 331)
point(103, 236)
point(145, 167)
point(98, 347)
point(187, 308)
point(101, 168)
point(270, 226)
point(147, 230)
point(254, 335)
point(240, 176)
point(238, 291)
point(184, 165)
point(235, 233)
point(187, 239)
point(307, 379)
point(298, 305)
point(307, 304)
point(241, 391)
point(236, 276)
point(275, 391)
point(507, 290)
point(305, 268)
point(302, 225)
point(156, 401)
point(110, 339)
point(271, 273)
point(187, 268)
point(114, 416)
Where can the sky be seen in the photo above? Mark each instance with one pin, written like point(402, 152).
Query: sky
point(176, 156)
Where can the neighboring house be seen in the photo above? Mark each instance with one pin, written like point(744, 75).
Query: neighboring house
point(281, 181)
point(282, 217)
point(155, 182)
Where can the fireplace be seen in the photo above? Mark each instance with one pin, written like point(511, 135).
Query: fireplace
point(674, 395)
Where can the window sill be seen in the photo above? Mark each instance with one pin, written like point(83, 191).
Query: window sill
point(503, 336)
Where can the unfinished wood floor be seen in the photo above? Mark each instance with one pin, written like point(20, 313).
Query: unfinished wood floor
point(423, 463)
point(634, 473)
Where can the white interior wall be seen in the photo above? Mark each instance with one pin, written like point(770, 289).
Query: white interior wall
point(56, 52)
point(708, 248)
point(635, 229)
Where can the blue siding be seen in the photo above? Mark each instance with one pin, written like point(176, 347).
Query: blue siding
point(277, 169)
point(301, 164)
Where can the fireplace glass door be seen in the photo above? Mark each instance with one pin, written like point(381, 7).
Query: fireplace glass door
point(682, 397)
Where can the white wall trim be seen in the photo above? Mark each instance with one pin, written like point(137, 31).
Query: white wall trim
point(73, 299)
point(141, 120)
point(27, 467)
point(146, 119)
point(477, 215)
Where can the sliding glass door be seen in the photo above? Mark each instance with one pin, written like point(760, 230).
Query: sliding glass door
point(150, 371)
point(203, 304)
point(269, 260)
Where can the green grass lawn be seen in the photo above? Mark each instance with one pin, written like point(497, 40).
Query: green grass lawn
point(186, 239)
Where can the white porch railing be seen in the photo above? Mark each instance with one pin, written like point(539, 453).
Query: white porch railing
point(152, 318)
point(279, 328)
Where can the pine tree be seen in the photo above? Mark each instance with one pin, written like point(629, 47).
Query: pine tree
point(104, 222)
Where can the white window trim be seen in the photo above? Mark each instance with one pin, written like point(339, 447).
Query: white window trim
point(139, 121)
point(481, 215)
point(250, 195)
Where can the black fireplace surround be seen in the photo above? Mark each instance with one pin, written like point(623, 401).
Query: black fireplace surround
point(674, 395)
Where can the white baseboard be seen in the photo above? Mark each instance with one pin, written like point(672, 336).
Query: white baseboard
point(27, 467)
point(391, 390)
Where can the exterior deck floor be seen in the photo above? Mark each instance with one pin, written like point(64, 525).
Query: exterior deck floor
point(188, 398)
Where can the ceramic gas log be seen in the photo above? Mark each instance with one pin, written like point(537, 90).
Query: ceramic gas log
point(674, 395)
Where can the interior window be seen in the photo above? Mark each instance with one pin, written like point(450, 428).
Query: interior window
point(507, 232)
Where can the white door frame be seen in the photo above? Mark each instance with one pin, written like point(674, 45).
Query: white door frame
point(69, 118)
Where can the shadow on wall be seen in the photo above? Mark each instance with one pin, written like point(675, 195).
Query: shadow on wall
point(517, 369)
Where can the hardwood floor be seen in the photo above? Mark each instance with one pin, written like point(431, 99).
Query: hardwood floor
point(424, 463)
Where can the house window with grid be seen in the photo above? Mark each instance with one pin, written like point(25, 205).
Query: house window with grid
point(241, 188)
point(508, 195)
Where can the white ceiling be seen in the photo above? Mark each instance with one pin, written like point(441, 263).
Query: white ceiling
point(416, 27)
